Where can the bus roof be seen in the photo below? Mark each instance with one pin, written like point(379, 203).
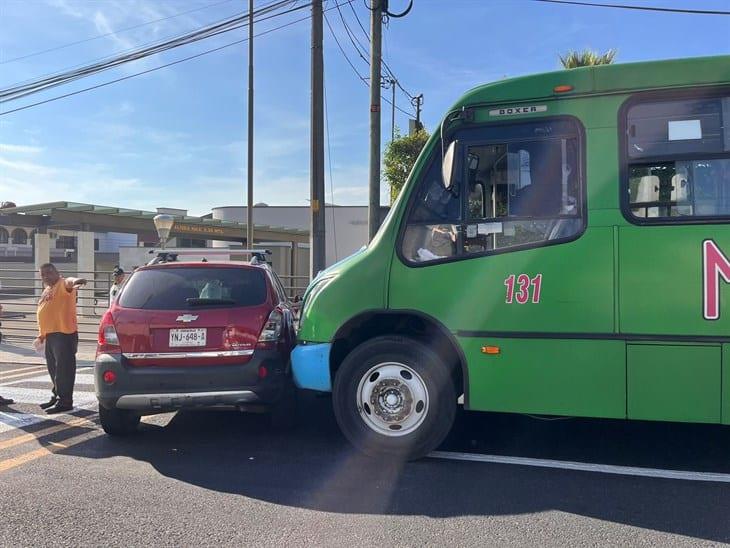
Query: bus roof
point(604, 79)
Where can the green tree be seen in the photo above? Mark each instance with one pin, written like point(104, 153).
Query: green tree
point(400, 155)
point(587, 58)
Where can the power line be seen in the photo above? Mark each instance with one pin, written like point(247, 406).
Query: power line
point(640, 8)
point(329, 161)
point(113, 32)
point(352, 66)
point(342, 50)
point(359, 46)
point(382, 59)
point(18, 91)
point(201, 54)
point(121, 52)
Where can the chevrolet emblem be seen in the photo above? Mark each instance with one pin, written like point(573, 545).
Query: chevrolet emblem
point(186, 318)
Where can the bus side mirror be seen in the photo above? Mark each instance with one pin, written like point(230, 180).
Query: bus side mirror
point(448, 166)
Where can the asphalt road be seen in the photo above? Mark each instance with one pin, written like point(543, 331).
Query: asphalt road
point(225, 478)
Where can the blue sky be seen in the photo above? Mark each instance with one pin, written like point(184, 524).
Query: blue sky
point(177, 137)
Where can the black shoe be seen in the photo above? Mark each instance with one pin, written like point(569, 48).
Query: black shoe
point(5, 401)
point(59, 408)
point(50, 403)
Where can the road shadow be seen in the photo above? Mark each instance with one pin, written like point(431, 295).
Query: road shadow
point(313, 467)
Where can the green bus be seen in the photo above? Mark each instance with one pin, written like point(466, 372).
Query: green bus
point(561, 247)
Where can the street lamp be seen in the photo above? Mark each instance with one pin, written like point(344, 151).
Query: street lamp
point(163, 224)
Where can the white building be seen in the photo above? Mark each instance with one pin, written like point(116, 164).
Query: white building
point(346, 227)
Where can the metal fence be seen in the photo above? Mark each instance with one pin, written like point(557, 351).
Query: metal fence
point(21, 288)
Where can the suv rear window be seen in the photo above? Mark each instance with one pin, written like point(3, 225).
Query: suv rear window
point(181, 288)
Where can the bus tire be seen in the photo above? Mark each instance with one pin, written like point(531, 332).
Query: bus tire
point(394, 397)
point(118, 422)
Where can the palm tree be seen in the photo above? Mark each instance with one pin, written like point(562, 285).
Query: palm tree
point(587, 58)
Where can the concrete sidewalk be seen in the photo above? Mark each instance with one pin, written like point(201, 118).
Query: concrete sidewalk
point(21, 352)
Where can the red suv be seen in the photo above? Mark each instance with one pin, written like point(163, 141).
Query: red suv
point(194, 334)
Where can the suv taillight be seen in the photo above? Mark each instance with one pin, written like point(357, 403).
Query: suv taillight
point(271, 333)
point(108, 341)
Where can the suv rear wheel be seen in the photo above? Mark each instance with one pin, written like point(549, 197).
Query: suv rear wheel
point(118, 422)
point(394, 396)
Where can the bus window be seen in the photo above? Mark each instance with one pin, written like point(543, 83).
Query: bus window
point(532, 194)
point(435, 216)
point(679, 159)
point(521, 186)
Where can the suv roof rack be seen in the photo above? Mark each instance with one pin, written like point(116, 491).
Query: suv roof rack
point(258, 256)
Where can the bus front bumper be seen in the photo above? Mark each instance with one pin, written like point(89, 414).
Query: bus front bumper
point(311, 366)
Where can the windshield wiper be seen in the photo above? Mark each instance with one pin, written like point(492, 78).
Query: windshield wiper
point(203, 301)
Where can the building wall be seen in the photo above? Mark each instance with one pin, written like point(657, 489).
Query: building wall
point(346, 226)
point(110, 242)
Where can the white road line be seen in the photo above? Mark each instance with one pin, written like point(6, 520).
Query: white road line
point(80, 379)
point(586, 467)
point(40, 395)
point(13, 421)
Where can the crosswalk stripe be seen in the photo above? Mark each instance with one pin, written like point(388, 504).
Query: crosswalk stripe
point(49, 449)
point(25, 438)
point(18, 375)
point(80, 379)
point(26, 368)
point(29, 371)
point(41, 395)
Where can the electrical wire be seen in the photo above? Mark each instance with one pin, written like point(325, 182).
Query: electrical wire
point(329, 161)
point(64, 46)
point(352, 66)
point(18, 91)
point(201, 54)
point(382, 59)
point(121, 52)
point(344, 54)
point(639, 8)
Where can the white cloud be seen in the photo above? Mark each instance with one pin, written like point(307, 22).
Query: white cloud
point(29, 168)
point(26, 182)
point(19, 149)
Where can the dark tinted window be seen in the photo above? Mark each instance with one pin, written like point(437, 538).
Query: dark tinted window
point(177, 288)
point(679, 158)
point(686, 126)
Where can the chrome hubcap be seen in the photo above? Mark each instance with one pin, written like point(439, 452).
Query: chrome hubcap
point(392, 399)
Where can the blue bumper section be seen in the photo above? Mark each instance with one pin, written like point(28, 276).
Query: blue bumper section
point(311, 366)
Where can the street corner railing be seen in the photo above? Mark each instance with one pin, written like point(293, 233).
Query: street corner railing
point(21, 288)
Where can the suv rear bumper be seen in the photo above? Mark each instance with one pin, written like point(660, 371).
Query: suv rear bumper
point(178, 400)
point(155, 389)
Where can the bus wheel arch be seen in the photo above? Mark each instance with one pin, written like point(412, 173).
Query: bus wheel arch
point(406, 323)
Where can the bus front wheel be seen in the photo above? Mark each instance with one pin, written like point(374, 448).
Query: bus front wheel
point(394, 396)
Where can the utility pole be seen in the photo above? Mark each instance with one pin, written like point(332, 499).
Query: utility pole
point(418, 102)
point(376, 32)
point(249, 209)
point(393, 83)
point(317, 252)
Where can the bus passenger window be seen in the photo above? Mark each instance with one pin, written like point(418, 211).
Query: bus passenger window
point(678, 159)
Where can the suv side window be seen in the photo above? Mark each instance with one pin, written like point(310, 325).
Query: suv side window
point(678, 159)
point(521, 186)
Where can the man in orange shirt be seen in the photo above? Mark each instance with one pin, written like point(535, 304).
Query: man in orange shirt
point(58, 328)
